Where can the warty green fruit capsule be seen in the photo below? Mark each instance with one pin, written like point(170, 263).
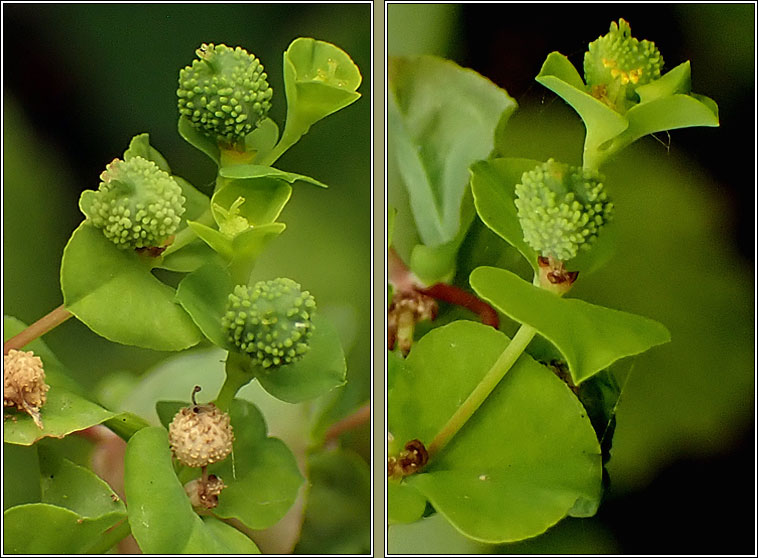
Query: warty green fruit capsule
point(137, 205)
point(561, 209)
point(271, 321)
point(224, 94)
point(617, 63)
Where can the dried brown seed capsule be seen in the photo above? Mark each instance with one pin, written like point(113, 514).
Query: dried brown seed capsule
point(204, 494)
point(200, 435)
point(24, 384)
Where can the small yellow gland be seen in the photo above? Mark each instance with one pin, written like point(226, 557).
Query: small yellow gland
point(24, 384)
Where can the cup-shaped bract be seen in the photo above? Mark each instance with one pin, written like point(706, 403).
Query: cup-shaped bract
point(224, 93)
point(270, 321)
point(617, 63)
point(137, 205)
point(561, 209)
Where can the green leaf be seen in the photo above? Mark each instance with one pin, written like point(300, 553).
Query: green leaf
point(73, 487)
point(441, 118)
point(319, 80)
point(493, 183)
point(435, 264)
point(264, 197)
point(321, 369)
point(204, 294)
point(338, 511)
point(20, 475)
point(602, 122)
point(113, 292)
point(243, 172)
point(191, 256)
point(125, 425)
point(673, 82)
point(590, 337)
point(520, 462)
point(196, 203)
point(64, 412)
point(263, 139)
point(241, 251)
point(140, 147)
point(160, 512)
point(74, 500)
point(198, 140)
point(55, 530)
point(261, 475)
point(405, 504)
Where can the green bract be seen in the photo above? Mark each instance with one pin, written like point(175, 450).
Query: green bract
point(617, 63)
point(561, 208)
point(271, 321)
point(224, 94)
point(137, 205)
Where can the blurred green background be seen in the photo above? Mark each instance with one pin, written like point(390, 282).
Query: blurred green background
point(683, 459)
point(80, 80)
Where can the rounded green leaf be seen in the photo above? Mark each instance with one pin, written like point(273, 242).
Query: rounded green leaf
point(261, 475)
point(321, 370)
point(64, 412)
point(405, 504)
point(521, 461)
point(590, 337)
point(203, 294)
point(319, 79)
point(263, 198)
point(263, 139)
point(483, 485)
point(55, 530)
point(73, 487)
point(441, 119)
point(140, 147)
point(602, 122)
point(198, 140)
point(113, 292)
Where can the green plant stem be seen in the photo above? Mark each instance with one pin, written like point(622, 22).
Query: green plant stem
point(37, 329)
point(236, 377)
point(354, 420)
point(504, 363)
point(110, 538)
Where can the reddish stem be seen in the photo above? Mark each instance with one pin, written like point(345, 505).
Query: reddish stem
point(455, 295)
point(354, 420)
point(37, 329)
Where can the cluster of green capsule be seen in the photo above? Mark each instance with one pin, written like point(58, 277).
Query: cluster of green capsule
point(137, 205)
point(225, 93)
point(271, 321)
point(617, 63)
point(561, 208)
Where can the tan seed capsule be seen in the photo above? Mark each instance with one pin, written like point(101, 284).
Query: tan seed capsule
point(24, 384)
point(200, 435)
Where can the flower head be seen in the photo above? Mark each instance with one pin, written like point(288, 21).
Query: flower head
point(224, 93)
point(561, 209)
point(271, 321)
point(617, 63)
point(137, 205)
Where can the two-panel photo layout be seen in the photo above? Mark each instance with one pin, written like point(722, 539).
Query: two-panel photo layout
point(378, 279)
